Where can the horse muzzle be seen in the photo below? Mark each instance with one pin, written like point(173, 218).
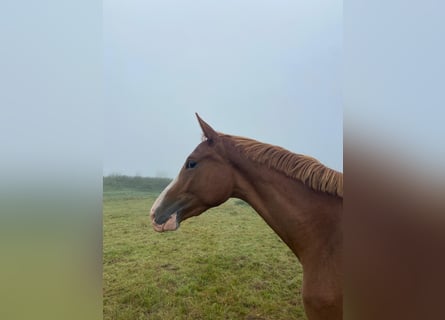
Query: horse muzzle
point(170, 225)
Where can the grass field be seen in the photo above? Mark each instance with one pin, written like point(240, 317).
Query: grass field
point(225, 264)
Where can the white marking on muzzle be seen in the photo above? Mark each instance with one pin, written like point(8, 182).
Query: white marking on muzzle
point(171, 223)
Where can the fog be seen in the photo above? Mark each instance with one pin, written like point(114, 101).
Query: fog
point(265, 70)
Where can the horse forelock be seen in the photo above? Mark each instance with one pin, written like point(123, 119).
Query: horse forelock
point(306, 169)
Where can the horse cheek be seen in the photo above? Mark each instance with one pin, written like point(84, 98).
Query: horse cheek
point(220, 187)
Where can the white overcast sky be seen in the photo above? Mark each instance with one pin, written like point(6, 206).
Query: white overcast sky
point(268, 70)
point(277, 71)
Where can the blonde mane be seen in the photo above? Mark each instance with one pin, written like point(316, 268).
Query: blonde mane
point(306, 169)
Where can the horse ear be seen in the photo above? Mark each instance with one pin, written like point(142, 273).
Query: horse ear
point(207, 130)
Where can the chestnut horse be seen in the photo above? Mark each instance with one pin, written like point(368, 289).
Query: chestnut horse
point(297, 196)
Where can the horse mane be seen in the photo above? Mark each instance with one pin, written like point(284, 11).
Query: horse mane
point(306, 169)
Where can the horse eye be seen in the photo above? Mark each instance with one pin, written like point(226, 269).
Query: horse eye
point(190, 164)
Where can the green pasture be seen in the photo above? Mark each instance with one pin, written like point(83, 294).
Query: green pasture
point(225, 264)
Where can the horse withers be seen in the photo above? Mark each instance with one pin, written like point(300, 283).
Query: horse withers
point(297, 196)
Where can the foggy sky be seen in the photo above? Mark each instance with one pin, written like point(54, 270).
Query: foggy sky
point(270, 71)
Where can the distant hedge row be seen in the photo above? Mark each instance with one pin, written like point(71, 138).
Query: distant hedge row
point(120, 182)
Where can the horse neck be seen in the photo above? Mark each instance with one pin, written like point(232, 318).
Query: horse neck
point(306, 220)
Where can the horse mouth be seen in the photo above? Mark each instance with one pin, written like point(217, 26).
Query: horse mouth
point(172, 215)
point(171, 224)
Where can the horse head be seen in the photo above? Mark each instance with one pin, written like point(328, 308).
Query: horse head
point(205, 181)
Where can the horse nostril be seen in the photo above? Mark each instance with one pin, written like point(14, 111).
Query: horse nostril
point(161, 219)
point(155, 218)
